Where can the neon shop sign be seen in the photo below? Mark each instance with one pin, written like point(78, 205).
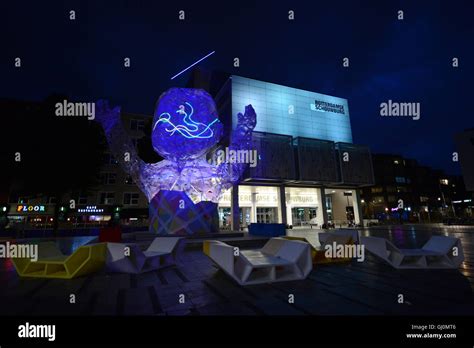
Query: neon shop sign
point(90, 209)
point(30, 208)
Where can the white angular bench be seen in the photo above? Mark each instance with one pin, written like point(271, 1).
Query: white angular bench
point(439, 252)
point(279, 260)
point(160, 253)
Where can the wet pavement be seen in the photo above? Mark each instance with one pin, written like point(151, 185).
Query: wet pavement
point(355, 288)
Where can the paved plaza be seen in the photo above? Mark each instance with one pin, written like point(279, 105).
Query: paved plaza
point(367, 288)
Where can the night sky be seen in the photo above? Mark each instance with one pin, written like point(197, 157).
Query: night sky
point(405, 61)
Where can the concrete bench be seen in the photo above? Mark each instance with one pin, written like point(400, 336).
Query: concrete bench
point(278, 260)
point(340, 237)
point(439, 252)
point(52, 263)
point(160, 253)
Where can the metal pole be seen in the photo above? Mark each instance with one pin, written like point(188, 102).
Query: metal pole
point(442, 195)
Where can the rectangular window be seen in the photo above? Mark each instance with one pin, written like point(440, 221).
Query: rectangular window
point(130, 198)
point(109, 159)
point(137, 125)
point(400, 179)
point(391, 189)
point(107, 198)
point(376, 189)
point(444, 181)
point(329, 207)
point(379, 199)
point(267, 215)
point(111, 178)
point(108, 178)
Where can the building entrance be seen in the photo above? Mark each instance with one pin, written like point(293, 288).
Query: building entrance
point(302, 216)
point(245, 214)
point(224, 218)
point(267, 215)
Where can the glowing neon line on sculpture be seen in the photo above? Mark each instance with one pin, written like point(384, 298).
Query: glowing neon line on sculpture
point(194, 123)
point(191, 126)
point(187, 134)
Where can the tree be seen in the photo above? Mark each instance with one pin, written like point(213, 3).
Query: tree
point(47, 155)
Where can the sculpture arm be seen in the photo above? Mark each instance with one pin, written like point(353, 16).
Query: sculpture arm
point(120, 144)
point(241, 139)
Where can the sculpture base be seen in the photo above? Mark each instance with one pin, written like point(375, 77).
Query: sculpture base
point(173, 212)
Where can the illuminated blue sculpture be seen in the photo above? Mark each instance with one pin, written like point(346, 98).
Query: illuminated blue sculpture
point(191, 129)
point(186, 127)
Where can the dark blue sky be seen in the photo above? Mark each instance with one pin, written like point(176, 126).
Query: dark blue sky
point(406, 61)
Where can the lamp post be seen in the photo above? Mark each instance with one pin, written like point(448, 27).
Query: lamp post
point(444, 199)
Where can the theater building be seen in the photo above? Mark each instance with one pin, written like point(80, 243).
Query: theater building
point(308, 172)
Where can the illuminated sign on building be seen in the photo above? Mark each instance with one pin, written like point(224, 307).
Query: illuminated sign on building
point(295, 199)
point(244, 198)
point(249, 198)
point(323, 106)
point(267, 198)
point(30, 208)
point(90, 209)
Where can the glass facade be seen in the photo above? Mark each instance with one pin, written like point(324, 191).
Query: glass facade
point(291, 111)
point(256, 204)
point(342, 206)
point(302, 206)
